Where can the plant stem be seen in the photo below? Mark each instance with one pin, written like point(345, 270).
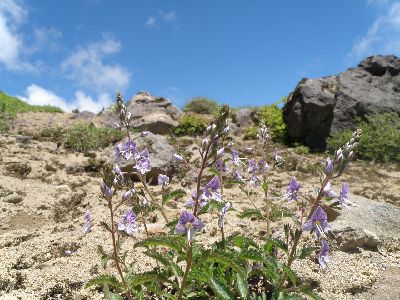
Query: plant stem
point(161, 208)
point(293, 251)
point(267, 208)
point(189, 260)
point(115, 250)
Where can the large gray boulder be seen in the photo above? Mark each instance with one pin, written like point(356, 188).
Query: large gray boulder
point(320, 107)
point(368, 225)
point(152, 113)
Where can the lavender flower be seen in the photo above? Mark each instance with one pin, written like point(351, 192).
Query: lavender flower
point(177, 157)
point(328, 166)
point(222, 213)
point(323, 258)
point(163, 180)
point(236, 175)
point(128, 222)
point(292, 190)
point(88, 225)
point(344, 197)
point(202, 200)
point(328, 191)
point(211, 189)
point(254, 180)
point(235, 158)
point(264, 133)
point(128, 194)
point(318, 223)
point(263, 164)
point(277, 157)
point(221, 166)
point(126, 150)
point(188, 223)
point(253, 166)
point(143, 165)
point(106, 191)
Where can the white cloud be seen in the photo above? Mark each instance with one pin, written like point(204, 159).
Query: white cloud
point(45, 38)
point(383, 36)
point(12, 15)
point(168, 16)
point(37, 95)
point(87, 67)
point(151, 22)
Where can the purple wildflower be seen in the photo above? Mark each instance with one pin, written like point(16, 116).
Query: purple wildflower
point(344, 194)
point(328, 191)
point(126, 150)
point(211, 189)
point(235, 158)
point(318, 223)
point(263, 164)
point(128, 222)
point(163, 180)
point(264, 133)
point(143, 165)
point(128, 194)
point(277, 157)
point(221, 166)
point(107, 193)
point(236, 175)
point(323, 258)
point(202, 200)
point(328, 166)
point(253, 166)
point(254, 180)
point(222, 213)
point(177, 157)
point(292, 190)
point(188, 223)
point(88, 225)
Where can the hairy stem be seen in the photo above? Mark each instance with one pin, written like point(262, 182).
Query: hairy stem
point(153, 200)
point(296, 241)
point(115, 251)
point(189, 261)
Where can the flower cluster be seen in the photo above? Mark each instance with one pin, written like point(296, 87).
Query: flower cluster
point(189, 224)
point(292, 190)
point(128, 222)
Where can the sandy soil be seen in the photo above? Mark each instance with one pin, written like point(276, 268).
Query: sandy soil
point(44, 253)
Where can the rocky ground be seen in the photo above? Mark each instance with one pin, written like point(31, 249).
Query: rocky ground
point(45, 191)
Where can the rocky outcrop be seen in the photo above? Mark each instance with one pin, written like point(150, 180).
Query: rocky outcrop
point(320, 107)
point(160, 154)
point(152, 113)
point(368, 225)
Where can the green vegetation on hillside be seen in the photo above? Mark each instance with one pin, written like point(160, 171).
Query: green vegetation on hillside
point(191, 124)
point(272, 117)
point(85, 137)
point(10, 106)
point(380, 139)
point(201, 105)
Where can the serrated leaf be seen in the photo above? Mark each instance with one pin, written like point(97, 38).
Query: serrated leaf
point(173, 242)
point(244, 242)
point(140, 279)
point(220, 289)
point(270, 244)
point(214, 172)
point(242, 286)
point(174, 194)
point(265, 186)
point(104, 279)
point(166, 262)
point(224, 258)
point(115, 297)
point(248, 213)
point(306, 251)
point(290, 273)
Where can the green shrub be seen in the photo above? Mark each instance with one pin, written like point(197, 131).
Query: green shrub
point(201, 105)
point(380, 139)
point(250, 133)
point(301, 150)
point(84, 137)
point(191, 124)
point(272, 116)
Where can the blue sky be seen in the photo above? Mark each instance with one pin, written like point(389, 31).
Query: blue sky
point(77, 53)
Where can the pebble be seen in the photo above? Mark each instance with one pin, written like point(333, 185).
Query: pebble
point(13, 198)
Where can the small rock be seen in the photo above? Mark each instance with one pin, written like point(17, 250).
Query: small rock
point(13, 198)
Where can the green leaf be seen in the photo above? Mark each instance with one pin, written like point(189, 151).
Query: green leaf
point(115, 297)
point(270, 244)
point(223, 258)
point(220, 289)
point(265, 186)
point(166, 262)
point(214, 172)
point(242, 286)
point(140, 279)
point(104, 279)
point(174, 194)
point(305, 252)
point(248, 213)
point(290, 273)
point(244, 242)
point(173, 242)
